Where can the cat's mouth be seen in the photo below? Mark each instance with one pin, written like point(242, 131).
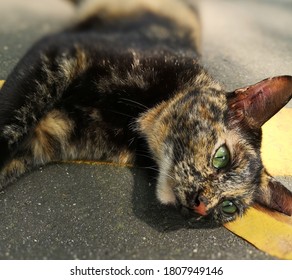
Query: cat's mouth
point(190, 213)
point(198, 210)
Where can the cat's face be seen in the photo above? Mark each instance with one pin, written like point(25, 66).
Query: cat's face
point(213, 172)
point(205, 165)
point(206, 162)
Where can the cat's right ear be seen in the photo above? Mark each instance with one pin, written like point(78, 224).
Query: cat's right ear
point(252, 106)
point(273, 195)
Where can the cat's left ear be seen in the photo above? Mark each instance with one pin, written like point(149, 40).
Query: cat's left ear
point(252, 106)
point(273, 195)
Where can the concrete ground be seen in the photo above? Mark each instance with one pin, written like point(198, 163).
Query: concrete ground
point(73, 211)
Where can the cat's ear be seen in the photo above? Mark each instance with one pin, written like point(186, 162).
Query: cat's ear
point(252, 106)
point(273, 195)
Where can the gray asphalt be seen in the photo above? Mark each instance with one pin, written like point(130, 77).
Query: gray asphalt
point(73, 211)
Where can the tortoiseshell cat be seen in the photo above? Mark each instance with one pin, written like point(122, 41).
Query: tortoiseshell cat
point(129, 71)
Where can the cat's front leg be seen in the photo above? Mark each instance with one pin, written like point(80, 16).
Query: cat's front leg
point(49, 140)
point(13, 170)
point(32, 131)
point(35, 86)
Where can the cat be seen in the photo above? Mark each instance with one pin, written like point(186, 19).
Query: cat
point(127, 76)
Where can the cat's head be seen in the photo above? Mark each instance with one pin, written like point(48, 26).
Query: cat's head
point(207, 146)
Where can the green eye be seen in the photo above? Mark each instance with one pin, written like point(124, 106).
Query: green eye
point(228, 207)
point(221, 157)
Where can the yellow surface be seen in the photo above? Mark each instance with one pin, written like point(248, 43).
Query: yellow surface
point(1, 83)
point(270, 232)
point(277, 143)
point(89, 162)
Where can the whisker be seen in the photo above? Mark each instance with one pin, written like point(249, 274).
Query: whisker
point(160, 171)
point(144, 155)
point(120, 113)
point(135, 102)
point(131, 141)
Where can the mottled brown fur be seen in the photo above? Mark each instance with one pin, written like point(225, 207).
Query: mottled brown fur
point(54, 128)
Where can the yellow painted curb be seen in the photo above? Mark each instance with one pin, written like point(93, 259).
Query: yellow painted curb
point(89, 162)
point(269, 231)
point(277, 143)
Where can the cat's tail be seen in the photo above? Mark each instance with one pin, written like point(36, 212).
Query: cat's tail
point(75, 2)
point(182, 13)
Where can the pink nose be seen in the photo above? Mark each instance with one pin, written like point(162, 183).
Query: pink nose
point(200, 209)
